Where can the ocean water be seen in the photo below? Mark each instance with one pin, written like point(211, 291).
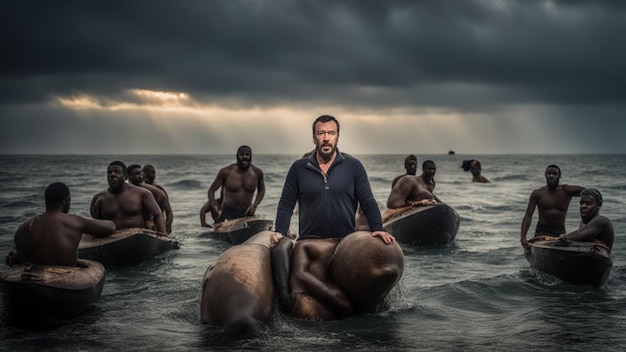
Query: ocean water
point(474, 295)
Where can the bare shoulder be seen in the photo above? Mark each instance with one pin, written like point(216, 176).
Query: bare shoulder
point(101, 194)
point(257, 170)
point(572, 189)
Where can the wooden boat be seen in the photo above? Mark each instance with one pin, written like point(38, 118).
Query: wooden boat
point(126, 247)
point(428, 225)
point(240, 230)
point(579, 263)
point(40, 295)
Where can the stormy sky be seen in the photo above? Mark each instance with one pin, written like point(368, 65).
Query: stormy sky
point(423, 77)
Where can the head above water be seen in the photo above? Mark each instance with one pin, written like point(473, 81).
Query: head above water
point(244, 157)
point(120, 164)
point(410, 164)
point(132, 167)
point(56, 193)
point(325, 137)
point(597, 196)
point(553, 166)
point(324, 119)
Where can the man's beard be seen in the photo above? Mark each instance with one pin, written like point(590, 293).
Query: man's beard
point(326, 156)
point(242, 166)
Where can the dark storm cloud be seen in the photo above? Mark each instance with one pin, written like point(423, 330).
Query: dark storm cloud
point(459, 54)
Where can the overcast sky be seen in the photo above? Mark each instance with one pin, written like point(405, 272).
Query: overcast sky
point(423, 77)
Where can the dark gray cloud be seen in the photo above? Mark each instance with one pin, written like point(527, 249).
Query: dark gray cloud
point(475, 56)
point(278, 51)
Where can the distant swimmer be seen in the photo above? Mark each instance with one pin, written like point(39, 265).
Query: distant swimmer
point(129, 206)
point(135, 177)
point(475, 168)
point(239, 182)
point(410, 165)
point(552, 201)
point(594, 227)
point(52, 238)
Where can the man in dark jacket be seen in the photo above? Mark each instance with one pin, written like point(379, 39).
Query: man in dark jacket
point(327, 187)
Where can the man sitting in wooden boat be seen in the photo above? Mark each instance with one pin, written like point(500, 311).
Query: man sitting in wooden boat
point(52, 238)
point(429, 169)
point(594, 227)
point(408, 193)
point(552, 201)
point(135, 177)
point(238, 181)
point(127, 205)
point(149, 175)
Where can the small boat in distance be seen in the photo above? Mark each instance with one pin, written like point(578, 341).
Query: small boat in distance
point(450, 152)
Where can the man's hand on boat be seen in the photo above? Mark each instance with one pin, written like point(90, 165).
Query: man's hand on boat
point(423, 202)
point(386, 237)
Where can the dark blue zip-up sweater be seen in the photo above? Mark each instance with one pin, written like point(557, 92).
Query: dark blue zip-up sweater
point(327, 205)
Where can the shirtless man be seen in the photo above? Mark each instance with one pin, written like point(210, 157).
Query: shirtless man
point(52, 238)
point(313, 292)
point(149, 175)
point(126, 204)
point(552, 201)
point(239, 181)
point(135, 177)
point(429, 169)
point(593, 227)
point(410, 165)
point(409, 192)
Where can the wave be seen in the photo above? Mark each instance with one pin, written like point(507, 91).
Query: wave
point(185, 185)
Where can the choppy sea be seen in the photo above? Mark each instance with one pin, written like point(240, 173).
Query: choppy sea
point(474, 295)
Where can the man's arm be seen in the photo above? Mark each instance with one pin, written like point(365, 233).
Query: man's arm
point(573, 190)
point(94, 208)
point(98, 228)
point(151, 206)
point(205, 209)
point(287, 202)
point(260, 193)
point(528, 216)
point(219, 181)
point(588, 232)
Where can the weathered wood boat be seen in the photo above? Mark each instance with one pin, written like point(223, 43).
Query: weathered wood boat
point(126, 247)
point(40, 295)
point(579, 263)
point(428, 225)
point(240, 230)
point(238, 289)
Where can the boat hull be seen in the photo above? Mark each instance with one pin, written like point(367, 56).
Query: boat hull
point(126, 247)
point(40, 295)
point(240, 230)
point(579, 263)
point(435, 224)
point(238, 289)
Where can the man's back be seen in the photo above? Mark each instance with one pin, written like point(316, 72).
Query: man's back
point(49, 239)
